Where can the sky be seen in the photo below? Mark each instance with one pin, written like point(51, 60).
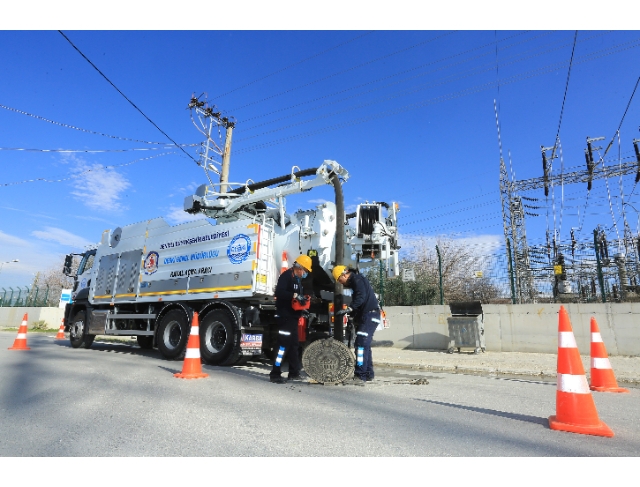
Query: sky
point(408, 112)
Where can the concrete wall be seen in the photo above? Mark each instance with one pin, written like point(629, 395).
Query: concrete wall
point(518, 328)
point(508, 328)
point(12, 317)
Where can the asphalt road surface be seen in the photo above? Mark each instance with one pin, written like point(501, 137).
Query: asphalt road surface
point(119, 400)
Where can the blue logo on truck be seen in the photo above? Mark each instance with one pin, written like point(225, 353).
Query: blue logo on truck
point(239, 248)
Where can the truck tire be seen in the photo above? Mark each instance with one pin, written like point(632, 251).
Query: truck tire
point(219, 338)
point(145, 341)
point(78, 335)
point(172, 335)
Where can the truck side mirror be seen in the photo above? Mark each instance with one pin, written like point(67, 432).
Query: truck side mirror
point(68, 261)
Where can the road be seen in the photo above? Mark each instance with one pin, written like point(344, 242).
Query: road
point(119, 400)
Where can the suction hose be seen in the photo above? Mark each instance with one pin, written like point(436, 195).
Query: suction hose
point(338, 332)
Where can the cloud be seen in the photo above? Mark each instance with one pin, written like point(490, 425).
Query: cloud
point(189, 188)
point(97, 187)
point(10, 240)
point(95, 219)
point(319, 201)
point(35, 215)
point(61, 236)
point(177, 215)
point(32, 259)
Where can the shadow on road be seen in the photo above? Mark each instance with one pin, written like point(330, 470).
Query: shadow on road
point(503, 414)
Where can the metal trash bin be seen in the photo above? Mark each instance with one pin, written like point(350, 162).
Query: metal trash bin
point(466, 326)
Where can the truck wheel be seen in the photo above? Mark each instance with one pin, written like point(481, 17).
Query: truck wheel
point(145, 341)
point(78, 331)
point(219, 338)
point(242, 360)
point(173, 333)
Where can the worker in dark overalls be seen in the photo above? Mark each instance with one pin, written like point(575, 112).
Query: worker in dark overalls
point(289, 294)
point(365, 311)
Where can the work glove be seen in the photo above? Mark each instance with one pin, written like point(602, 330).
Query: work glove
point(345, 311)
point(301, 299)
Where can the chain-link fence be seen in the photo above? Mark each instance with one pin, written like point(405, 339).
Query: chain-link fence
point(34, 296)
point(446, 273)
point(578, 272)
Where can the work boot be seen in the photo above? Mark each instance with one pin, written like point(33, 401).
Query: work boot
point(295, 377)
point(357, 381)
point(278, 380)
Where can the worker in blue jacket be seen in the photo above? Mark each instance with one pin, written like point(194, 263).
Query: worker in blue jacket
point(365, 311)
point(288, 289)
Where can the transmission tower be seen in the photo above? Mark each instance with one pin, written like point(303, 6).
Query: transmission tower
point(515, 231)
point(595, 170)
point(514, 211)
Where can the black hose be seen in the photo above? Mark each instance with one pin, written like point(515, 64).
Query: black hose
point(369, 215)
point(338, 332)
point(271, 182)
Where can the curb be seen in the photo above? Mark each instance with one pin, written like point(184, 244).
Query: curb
point(485, 371)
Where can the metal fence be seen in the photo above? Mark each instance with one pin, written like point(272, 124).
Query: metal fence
point(597, 271)
point(24, 296)
point(578, 272)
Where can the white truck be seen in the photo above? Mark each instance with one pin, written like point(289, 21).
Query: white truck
point(147, 279)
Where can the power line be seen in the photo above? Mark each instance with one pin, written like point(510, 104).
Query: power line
point(73, 176)
point(566, 86)
point(344, 71)
point(246, 127)
point(125, 97)
point(440, 215)
point(78, 128)
point(83, 150)
point(468, 91)
point(294, 64)
point(612, 139)
point(478, 70)
point(443, 81)
point(557, 141)
point(455, 224)
point(449, 204)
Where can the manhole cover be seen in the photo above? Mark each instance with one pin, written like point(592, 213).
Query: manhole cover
point(328, 361)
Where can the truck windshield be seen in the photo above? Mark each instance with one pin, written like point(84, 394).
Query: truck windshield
point(87, 263)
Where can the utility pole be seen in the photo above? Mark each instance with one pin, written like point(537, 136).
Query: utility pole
point(226, 155)
point(208, 117)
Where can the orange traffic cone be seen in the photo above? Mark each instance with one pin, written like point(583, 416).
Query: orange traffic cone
point(21, 339)
point(575, 410)
point(602, 377)
point(60, 335)
point(192, 368)
point(285, 264)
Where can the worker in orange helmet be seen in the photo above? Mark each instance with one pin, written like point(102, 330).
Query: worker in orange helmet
point(288, 289)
